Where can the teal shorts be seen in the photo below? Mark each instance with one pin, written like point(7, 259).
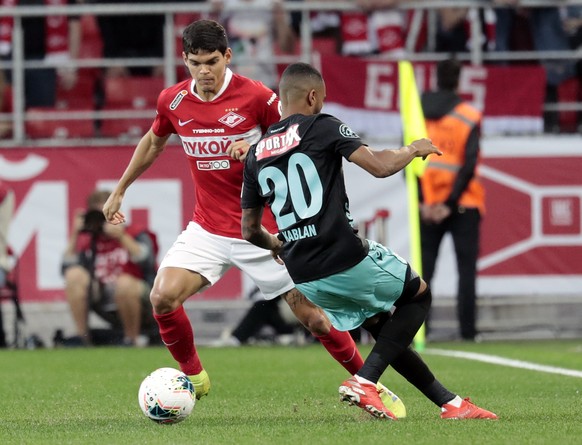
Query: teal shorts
point(356, 294)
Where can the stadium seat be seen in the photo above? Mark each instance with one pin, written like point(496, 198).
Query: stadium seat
point(130, 94)
point(569, 92)
point(133, 92)
point(82, 95)
point(124, 128)
point(57, 129)
point(325, 45)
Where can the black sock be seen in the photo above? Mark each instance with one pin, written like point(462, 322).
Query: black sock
point(411, 366)
point(396, 334)
point(437, 393)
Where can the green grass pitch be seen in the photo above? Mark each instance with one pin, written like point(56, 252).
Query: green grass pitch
point(283, 395)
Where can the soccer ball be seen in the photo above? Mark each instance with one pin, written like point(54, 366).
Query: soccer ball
point(166, 396)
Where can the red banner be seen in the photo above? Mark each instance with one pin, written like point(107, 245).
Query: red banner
point(50, 184)
point(531, 241)
point(364, 92)
point(532, 226)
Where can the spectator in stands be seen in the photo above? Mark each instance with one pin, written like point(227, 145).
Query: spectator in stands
point(326, 28)
point(455, 29)
point(547, 34)
point(504, 17)
point(109, 269)
point(452, 34)
point(386, 27)
point(573, 24)
point(5, 56)
point(573, 27)
point(256, 36)
point(377, 28)
point(132, 36)
point(51, 38)
point(5, 107)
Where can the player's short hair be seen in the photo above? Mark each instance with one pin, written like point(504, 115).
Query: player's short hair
point(299, 77)
point(97, 198)
point(448, 73)
point(206, 36)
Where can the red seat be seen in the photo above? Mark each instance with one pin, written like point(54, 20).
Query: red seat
point(125, 127)
point(58, 129)
point(569, 92)
point(325, 45)
point(130, 94)
point(133, 92)
point(81, 96)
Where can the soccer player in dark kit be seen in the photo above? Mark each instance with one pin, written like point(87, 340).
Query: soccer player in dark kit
point(296, 168)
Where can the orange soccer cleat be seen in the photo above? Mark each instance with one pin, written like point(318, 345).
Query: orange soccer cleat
point(467, 410)
point(366, 397)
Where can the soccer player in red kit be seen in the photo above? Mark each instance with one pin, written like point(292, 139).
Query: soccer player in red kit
point(217, 114)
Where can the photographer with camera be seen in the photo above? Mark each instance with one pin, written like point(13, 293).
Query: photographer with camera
point(108, 269)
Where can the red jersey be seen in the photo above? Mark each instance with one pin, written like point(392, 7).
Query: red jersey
point(242, 109)
point(111, 258)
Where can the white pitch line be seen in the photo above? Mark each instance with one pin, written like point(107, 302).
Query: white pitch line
point(486, 358)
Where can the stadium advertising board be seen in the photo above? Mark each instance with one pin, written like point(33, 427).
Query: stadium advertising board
point(531, 242)
point(51, 184)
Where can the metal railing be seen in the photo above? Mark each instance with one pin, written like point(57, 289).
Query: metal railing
point(169, 61)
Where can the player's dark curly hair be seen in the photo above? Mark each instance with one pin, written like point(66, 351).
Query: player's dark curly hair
point(204, 35)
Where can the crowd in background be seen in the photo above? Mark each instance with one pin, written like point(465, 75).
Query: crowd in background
point(378, 27)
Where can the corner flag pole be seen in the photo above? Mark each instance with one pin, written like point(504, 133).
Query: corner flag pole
point(413, 128)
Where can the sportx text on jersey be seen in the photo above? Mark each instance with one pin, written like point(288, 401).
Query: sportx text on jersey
point(319, 241)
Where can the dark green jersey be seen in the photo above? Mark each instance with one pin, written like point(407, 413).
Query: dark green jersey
point(296, 168)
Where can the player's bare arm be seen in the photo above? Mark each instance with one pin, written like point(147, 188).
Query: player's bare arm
point(148, 149)
point(384, 163)
point(255, 233)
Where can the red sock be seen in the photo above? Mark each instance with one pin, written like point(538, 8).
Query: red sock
point(178, 336)
point(341, 346)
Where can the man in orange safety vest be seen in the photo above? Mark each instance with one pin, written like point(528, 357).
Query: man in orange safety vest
point(453, 198)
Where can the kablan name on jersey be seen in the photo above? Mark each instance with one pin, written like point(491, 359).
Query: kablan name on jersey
point(299, 233)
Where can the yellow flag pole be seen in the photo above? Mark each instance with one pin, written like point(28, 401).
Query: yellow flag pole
point(413, 128)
